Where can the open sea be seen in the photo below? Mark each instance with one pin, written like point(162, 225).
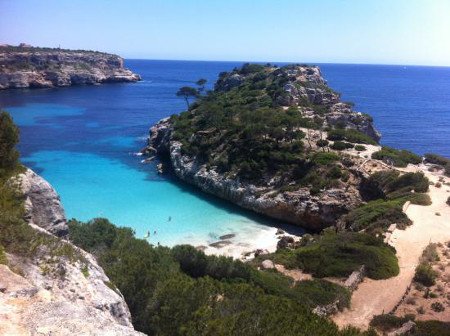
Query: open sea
point(83, 140)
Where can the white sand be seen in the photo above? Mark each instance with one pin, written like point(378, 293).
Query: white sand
point(377, 297)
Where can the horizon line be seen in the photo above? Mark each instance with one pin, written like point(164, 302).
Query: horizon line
point(286, 62)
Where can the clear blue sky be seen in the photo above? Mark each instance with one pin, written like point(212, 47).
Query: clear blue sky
point(340, 31)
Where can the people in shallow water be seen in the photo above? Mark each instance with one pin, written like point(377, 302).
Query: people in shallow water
point(154, 233)
point(147, 235)
point(170, 218)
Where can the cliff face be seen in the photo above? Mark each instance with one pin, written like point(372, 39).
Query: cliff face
point(60, 289)
point(299, 207)
point(276, 194)
point(43, 68)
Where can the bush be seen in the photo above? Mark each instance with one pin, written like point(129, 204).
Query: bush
point(323, 159)
point(339, 145)
point(322, 143)
point(398, 158)
point(437, 307)
point(9, 137)
point(360, 148)
point(376, 214)
point(350, 135)
point(387, 322)
point(3, 259)
point(436, 159)
point(339, 254)
point(425, 275)
point(448, 201)
point(320, 293)
point(432, 328)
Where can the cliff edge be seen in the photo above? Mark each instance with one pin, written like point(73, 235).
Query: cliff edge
point(29, 67)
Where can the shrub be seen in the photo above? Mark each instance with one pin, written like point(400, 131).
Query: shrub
point(9, 137)
point(339, 145)
point(436, 159)
point(322, 143)
point(360, 148)
point(437, 307)
point(376, 214)
point(3, 259)
point(386, 322)
point(432, 328)
point(323, 159)
point(448, 201)
point(339, 254)
point(320, 292)
point(350, 135)
point(398, 158)
point(425, 275)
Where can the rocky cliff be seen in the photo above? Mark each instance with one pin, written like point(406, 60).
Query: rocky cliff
point(290, 192)
point(28, 67)
point(60, 289)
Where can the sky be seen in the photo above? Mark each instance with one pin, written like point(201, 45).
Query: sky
point(404, 32)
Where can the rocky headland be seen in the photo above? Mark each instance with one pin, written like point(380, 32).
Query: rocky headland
point(210, 153)
point(30, 67)
point(58, 289)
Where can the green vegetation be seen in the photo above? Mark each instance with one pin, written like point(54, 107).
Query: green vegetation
point(340, 145)
point(9, 137)
point(242, 129)
point(181, 291)
point(339, 254)
point(390, 190)
point(186, 92)
point(439, 160)
point(3, 259)
point(387, 322)
point(425, 274)
point(360, 148)
point(350, 135)
point(398, 158)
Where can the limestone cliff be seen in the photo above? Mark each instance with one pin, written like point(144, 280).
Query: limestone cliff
point(28, 67)
point(60, 289)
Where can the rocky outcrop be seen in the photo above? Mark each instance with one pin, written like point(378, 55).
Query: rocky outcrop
point(60, 289)
point(300, 207)
point(42, 204)
point(27, 67)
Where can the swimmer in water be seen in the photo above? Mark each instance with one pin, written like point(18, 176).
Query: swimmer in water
point(147, 235)
point(170, 218)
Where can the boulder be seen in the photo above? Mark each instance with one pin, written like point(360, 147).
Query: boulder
point(267, 264)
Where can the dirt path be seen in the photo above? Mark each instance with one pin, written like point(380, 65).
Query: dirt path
point(375, 297)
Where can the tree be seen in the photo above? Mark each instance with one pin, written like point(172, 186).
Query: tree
point(201, 83)
point(9, 137)
point(186, 92)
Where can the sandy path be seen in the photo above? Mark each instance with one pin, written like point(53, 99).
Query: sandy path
point(375, 297)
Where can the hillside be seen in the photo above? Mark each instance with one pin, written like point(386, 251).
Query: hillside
point(273, 140)
point(29, 67)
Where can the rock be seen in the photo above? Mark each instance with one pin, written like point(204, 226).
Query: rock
point(259, 252)
point(279, 232)
point(405, 329)
point(42, 204)
point(58, 67)
point(62, 293)
point(267, 264)
point(220, 244)
point(355, 278)
point(285, 242)
point(227, 236)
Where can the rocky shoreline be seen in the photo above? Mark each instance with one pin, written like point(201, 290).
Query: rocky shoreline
point(313, 212)
point(29, 67)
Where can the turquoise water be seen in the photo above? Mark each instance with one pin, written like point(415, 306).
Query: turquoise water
point(93, 186)
point(83, 140)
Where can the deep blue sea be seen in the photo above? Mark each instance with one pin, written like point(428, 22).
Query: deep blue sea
point(83, 140)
